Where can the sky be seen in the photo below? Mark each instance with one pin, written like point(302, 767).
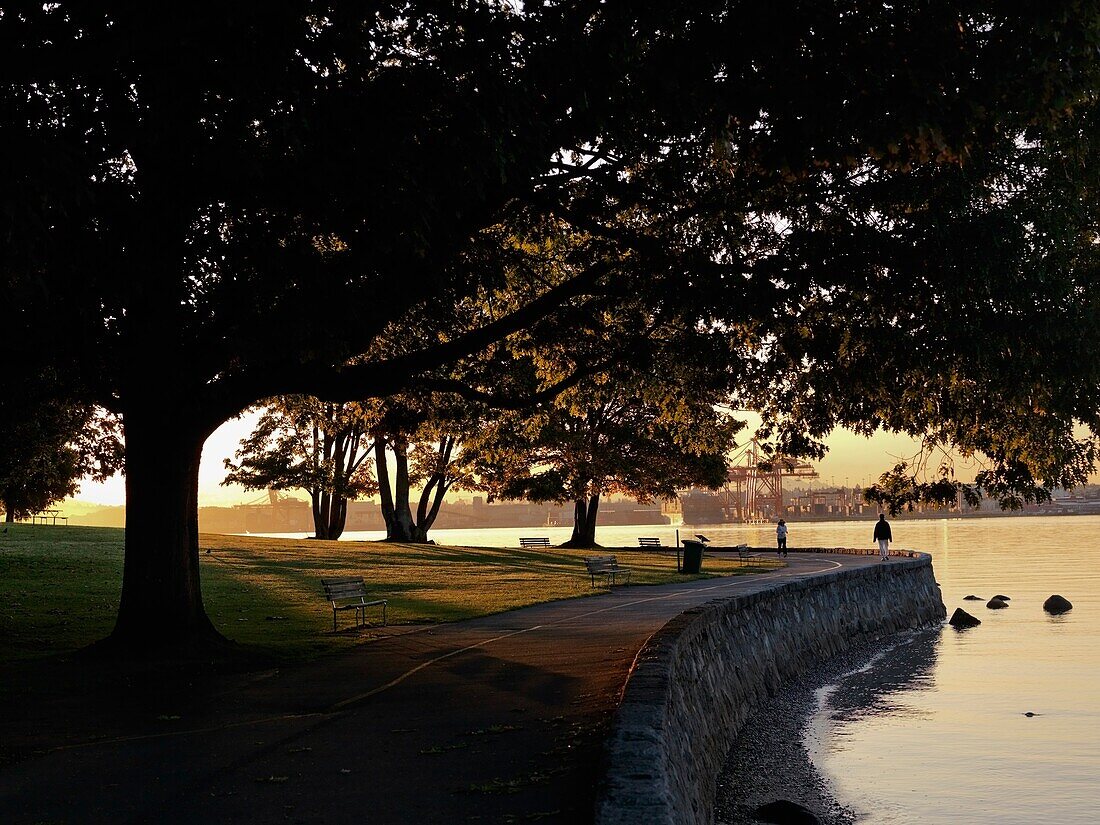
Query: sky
point(852, 459)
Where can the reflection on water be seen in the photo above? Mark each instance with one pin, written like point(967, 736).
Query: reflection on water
point(880, 687)
point(935, 731)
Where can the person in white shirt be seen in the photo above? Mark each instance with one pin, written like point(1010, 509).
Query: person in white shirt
point(781, 538)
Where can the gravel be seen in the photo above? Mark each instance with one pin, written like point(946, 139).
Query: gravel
point(768, 760)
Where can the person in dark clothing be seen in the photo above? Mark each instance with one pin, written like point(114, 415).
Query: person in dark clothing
point(883, 536)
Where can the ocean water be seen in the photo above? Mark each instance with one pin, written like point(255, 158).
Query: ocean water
point(933, 732)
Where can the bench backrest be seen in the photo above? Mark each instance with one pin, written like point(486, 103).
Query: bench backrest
point(540, 541)
point(597, 564)
point(345, 587)
point(649, 542)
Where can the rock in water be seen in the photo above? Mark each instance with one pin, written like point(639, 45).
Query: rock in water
point(1057, 604)
point(972, 598)
point(1003, 598)
point(784, 812)
point(960, 618)
point(996, 603)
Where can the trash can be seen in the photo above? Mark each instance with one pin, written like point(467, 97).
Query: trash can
point(693, 556)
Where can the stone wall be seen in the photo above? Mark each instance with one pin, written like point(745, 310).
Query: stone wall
point(697, 679)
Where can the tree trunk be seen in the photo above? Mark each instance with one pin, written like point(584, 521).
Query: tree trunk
point(9, 513)
point(584, 522)
point(322, 504)
point(330, 512)
point(385, 492)
point(395, 499)
point(161, 609)
point(339, 518)
point(396, 506)
point(431, 497)
point(430, 502)
point(403, 527)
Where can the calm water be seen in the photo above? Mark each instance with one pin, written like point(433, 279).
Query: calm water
point(934, 732)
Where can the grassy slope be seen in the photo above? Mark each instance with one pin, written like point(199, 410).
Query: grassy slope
point(59, 586)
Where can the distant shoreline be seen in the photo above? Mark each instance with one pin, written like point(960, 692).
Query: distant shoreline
point(923, 517)
point(114, 516)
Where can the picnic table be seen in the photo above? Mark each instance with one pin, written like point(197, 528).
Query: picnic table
point(48, 515)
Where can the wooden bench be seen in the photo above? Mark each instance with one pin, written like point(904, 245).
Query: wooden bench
point(534, 541)
point(350, 593)
point(742, 552)
point(606, 566)
point(649, 542)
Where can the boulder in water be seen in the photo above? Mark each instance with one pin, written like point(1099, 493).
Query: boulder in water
point(1003, 598)
point(996, 603)
point(1057, 604)
point(785, 812)
point(972, 598)
point(960, 619)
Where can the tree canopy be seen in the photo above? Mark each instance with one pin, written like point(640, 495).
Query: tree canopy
point(965, 319)
point(302, 443)
point(643, 438)
point(48, 445)
point(202, 207)
point(429, 436)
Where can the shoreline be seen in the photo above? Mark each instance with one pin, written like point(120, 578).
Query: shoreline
point(769, 761)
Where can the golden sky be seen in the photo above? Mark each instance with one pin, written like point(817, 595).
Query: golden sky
point(851, 460)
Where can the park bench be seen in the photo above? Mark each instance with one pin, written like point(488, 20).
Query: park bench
point(649, 542)
point(742, 552)
point(350, 593)
point(534, 541)
point(606, 566)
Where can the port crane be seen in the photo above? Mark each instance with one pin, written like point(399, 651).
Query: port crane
point(753, 492)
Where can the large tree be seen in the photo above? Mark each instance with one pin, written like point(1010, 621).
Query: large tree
point(47, 445)
point(202, 207)
point(429, 437)
point(642, 436)
point(303, 443)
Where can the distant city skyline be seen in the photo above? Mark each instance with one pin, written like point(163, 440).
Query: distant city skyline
point(852, 459)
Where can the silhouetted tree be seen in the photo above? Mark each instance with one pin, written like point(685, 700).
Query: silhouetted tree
point(202, 207)
point(428, 437)
point(48, 445)
point(302, 443)
point(584, 451)
point(644, 432)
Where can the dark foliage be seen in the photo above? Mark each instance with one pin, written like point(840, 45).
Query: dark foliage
point(206, 205)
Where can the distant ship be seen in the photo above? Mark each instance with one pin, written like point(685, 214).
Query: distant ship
point(704, 507)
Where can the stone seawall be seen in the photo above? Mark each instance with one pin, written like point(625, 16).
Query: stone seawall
point(698, 678)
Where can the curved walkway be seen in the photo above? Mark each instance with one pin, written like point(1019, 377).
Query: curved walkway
point(497, 719)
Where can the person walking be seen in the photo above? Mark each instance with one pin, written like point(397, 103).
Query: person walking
point(883, 536)
point(781, 538)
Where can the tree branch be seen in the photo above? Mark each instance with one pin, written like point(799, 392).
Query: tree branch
point(512, 402)
point(379, 379)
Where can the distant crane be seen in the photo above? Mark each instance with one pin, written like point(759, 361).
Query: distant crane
point(754, 491)
point(275, 505)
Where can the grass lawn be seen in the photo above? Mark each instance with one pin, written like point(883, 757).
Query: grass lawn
point(59, 586)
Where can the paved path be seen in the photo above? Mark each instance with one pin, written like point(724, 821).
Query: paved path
point(498, 719)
